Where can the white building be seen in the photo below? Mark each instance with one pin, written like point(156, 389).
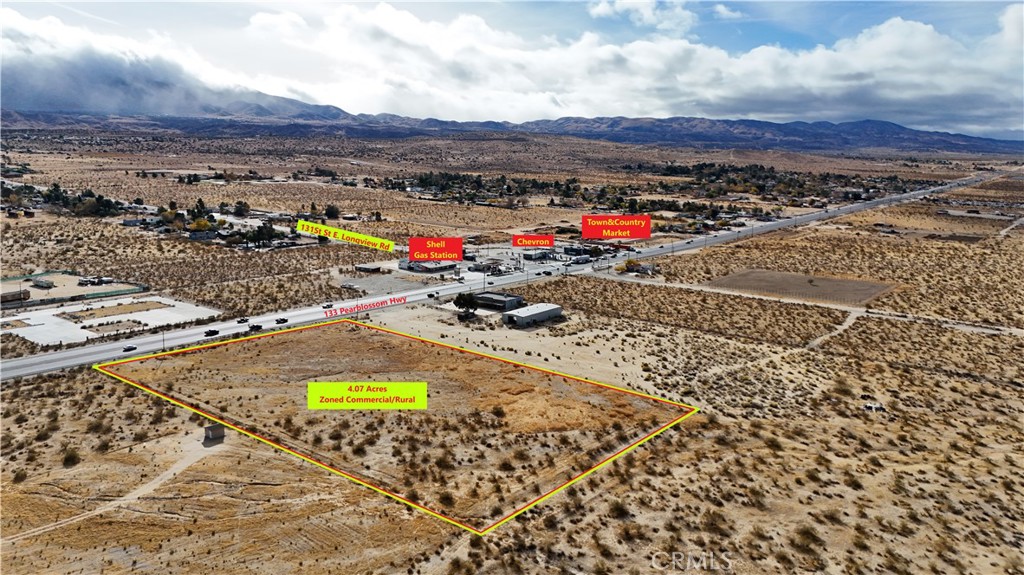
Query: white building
point(532, 314)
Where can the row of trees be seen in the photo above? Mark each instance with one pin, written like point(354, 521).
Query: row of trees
point(86, 203)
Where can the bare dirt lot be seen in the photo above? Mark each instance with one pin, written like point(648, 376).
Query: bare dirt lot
point(974, 282)
point(922, 217)
point(802, 286)
point(496, 436)
point(88, 314)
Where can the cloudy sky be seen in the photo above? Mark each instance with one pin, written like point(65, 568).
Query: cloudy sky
point(945, 66)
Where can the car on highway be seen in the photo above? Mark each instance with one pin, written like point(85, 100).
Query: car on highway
point(327, 305)
point(242, 320)
point(490, 283)
point(211, 333)
point(129, 348)
point(547, 272)
point(281, 320)
point(255, 327)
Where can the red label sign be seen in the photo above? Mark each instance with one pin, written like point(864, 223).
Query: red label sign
point(616, 227)
point(519, 241)
point(427, 249)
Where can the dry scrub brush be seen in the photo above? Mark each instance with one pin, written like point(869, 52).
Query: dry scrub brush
point(731, 316)
point(186, 267)
point(58, 420)
point(12, 345)
point(922, 216)
point(934, 348)
point(977, 282)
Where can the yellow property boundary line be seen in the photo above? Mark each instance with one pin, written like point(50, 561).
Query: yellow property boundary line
point(689, 411)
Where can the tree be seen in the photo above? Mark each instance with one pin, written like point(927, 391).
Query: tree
point(200, 225)
point(262, 235)
point(332, 212)
point(466, 302)
point(139, 201)
point(241, 209)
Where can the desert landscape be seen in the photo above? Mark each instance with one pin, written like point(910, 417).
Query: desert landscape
point(860, 412)
point(613, 287)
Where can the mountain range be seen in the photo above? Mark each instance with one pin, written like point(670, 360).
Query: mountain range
point(199, 110)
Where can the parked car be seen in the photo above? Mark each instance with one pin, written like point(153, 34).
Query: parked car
point(211, 332)
point(129, 348)
point(281, 320)
point(243, 320)
point(327, 305)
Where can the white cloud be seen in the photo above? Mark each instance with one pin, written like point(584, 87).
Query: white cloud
point(665, 15)
point(725, 13)
point(381, 58)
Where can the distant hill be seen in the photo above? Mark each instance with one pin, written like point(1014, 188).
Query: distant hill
point(199, 110)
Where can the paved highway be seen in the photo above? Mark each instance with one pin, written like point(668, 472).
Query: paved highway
point(100, 352)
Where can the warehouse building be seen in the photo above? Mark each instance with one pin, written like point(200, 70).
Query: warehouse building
point(532, 314)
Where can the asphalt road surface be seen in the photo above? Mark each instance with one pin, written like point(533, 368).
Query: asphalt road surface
point(145, 344)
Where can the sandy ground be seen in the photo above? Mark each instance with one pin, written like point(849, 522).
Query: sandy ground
point(785, 470)
point(489, 423)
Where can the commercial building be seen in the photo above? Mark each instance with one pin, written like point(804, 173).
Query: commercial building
point(499, 300)
point(532, 314)
point(427, 266)
point(538, 254)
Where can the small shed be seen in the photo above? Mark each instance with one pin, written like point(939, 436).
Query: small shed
point(214, 432)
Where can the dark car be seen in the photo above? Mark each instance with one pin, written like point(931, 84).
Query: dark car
point(255, 327)
point(243, 320)
point(547, 272)
point(281, 320)
point(211, 333)
point(327, 305)
point(129, 348)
